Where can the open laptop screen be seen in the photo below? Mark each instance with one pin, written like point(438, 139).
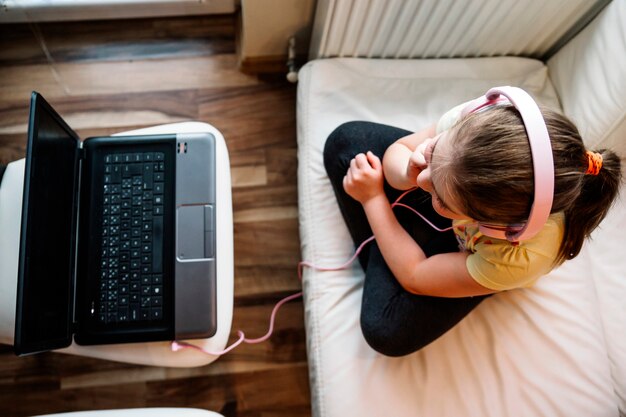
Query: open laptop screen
point(44, 301)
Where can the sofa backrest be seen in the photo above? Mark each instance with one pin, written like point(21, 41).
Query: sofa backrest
point(589, 74)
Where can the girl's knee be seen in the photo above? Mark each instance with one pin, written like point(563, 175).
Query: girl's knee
point(342, 139)
point(339, 148)
point(384, 338)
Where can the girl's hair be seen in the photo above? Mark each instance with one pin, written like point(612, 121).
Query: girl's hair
point(490, 170)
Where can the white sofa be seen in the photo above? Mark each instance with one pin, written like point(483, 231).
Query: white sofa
point(557, 349)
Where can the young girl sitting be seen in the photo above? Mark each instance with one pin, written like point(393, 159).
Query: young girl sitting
point(474, 171)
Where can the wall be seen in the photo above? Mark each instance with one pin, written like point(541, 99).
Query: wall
point(265, 29)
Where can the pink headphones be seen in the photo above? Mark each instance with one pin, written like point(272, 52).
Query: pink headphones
point(543, 164)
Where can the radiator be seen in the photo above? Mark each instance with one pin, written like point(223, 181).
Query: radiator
point(445, 28)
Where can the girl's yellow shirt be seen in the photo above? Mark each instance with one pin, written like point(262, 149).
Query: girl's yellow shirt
point(501, 265)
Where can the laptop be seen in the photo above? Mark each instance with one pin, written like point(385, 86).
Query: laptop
point(117, 237)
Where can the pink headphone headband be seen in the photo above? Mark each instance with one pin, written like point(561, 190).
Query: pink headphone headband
point(543, 164)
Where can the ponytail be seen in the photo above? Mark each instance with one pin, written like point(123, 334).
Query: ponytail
point(597, 194)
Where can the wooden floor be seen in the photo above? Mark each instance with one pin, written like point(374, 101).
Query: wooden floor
point(106, 77)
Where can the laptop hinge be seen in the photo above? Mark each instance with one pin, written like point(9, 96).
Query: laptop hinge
point(75, 243)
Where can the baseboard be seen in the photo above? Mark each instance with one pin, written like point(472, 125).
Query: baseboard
point(264, 64)
point(268, 64)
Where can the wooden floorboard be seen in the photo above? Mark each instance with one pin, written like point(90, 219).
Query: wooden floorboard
point(110, 76)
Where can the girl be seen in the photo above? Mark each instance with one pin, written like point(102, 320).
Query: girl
point(469, 170)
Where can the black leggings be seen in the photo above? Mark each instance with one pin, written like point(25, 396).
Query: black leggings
point(394, 322)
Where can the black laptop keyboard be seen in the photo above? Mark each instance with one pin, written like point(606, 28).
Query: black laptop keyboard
point(131, 261)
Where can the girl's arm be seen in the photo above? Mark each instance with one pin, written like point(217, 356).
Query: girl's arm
point(398, 172)
point(443, 275)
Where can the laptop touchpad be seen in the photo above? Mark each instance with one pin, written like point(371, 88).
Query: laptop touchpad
point(191, 234)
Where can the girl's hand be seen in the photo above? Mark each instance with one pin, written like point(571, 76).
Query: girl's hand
point(417, 162)
point(364, 179)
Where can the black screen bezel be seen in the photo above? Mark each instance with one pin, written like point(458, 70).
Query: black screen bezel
point(24, 342)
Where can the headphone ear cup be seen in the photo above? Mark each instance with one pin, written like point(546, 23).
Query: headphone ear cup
point(482, 102)
point(473, 105)
point(500, 232)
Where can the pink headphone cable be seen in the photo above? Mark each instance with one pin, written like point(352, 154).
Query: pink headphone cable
point(396, 204)
point(176, 345)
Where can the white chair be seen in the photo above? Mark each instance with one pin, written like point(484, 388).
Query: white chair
point(140, 412)
point(154, 353)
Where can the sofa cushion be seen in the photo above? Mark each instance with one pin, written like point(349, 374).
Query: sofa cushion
point(589, 74)
point(528, 352)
